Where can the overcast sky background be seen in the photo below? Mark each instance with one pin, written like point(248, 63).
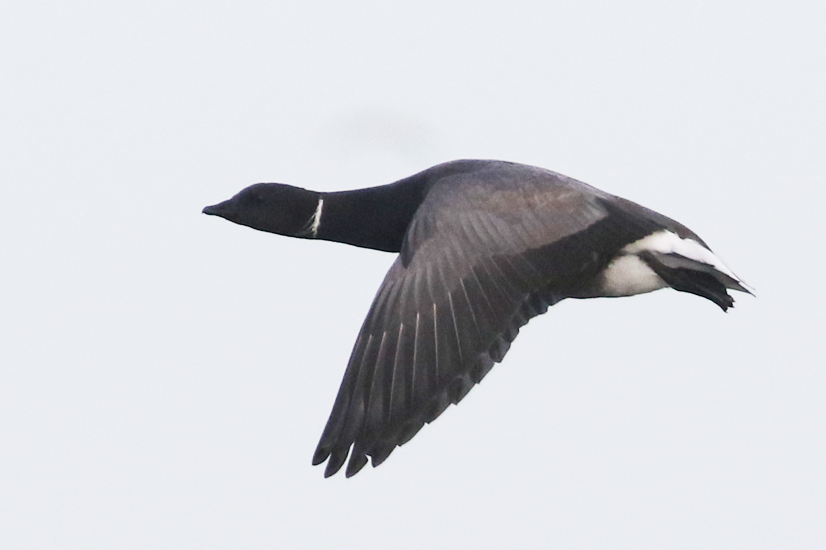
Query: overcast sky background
point(166, 375)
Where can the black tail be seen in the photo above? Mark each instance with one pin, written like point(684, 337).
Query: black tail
point(687, 275)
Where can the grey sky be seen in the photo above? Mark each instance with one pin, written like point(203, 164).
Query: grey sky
point(165, 376)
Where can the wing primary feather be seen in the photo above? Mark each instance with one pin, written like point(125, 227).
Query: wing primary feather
point(381, 451)
point(451, 342)
point(436, 406)
point(396, 380)
point(355, 413)
point(356, 463)
point(531, 275)
point(496, 235)
point(483, 233)
point(470, 308)
point(415, 365)
point(459, 276)
point(376, 400)
point(516, 274)
point(459, 388)
point(485, 300)
point(485, 297)
point(425, 375)
point(455, 327)
point(338, 415)
point(467, 330)
point(511, 292)
point(337, 458)
point(481, 368)
point(436, 378)
point(410, 429)
point(377, 315)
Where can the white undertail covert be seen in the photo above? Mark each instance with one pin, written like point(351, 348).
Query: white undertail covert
point(627, 274)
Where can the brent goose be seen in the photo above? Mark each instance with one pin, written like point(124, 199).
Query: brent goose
point(483, 247)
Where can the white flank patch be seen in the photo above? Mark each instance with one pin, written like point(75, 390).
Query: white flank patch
point(667, 242)
point(628, 275)
point(316, 220)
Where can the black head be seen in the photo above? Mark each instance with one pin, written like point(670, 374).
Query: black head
point(272, 207)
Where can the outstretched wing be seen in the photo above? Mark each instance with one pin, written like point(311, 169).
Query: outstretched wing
point(470, 273)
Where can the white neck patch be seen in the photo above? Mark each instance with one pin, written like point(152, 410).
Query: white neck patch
point(315, 221)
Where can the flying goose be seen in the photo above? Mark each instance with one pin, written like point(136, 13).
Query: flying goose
point(483, 246)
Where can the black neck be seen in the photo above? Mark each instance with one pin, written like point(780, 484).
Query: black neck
point(376, 217)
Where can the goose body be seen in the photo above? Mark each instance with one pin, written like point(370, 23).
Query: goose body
point(483, 246)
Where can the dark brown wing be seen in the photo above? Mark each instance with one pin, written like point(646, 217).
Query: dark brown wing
point(469, 275)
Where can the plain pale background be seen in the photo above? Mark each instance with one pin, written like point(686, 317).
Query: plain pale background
point(165, 375)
